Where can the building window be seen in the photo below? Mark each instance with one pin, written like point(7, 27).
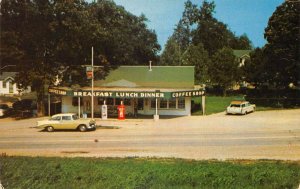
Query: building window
point(153, 103)
point(140, 104)
point(4, 84)
point(172, 103)
point(75, 101)
point(101, 101)
point(110, 101)
point(127, 102)
point(163, 104)
point(118, 101)
point(181, 103)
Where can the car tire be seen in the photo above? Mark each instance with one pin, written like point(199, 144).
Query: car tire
point(50, 129)
point(82, 128)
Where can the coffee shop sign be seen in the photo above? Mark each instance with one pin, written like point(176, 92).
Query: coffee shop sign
point(187, 94)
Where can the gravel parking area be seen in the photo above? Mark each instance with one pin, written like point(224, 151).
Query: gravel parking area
point(259, 135)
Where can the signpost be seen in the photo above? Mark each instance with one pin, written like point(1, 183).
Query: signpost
point(92, 84)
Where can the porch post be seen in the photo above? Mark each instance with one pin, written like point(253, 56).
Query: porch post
point(156, 116)
point(79, 107)
point(49, 104)
point(155, 106)
point(203, 104)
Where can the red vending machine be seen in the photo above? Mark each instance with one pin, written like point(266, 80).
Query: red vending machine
point(121, 112)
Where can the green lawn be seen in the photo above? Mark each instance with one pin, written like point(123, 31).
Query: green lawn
point(216, 104)
point(41, 172)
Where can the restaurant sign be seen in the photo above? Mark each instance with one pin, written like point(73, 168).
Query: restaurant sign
point(128, 94)
point(114, 94)
point(191, 93)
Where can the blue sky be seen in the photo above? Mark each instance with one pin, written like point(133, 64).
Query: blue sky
point(242, 16)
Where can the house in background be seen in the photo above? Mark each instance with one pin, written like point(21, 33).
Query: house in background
point(8, 86)
point(242, 56)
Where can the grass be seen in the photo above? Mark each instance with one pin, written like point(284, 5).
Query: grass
point(42, 172)
point(215, 104)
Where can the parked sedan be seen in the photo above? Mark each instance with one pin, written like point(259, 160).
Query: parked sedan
point(240, 107)
point(67, 121)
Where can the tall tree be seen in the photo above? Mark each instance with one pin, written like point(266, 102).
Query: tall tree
point(31, 18)
point(180, 40)
point(183, 32)
point(197, 56)
point(182, 36)
point(129, 41)
point(224, 70)
point(213, 34)
point(172, 54)
point(50, 38)
point(282, 49)
point(242, 42)
point(254, 71)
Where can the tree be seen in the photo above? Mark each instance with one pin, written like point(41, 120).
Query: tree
point(183, 32)
point(180, 40)
point(172, 54)
point(182, 36)
point(282, 49)
point(254, 71)
point(197, 56)
point(241, 43)
point(129, 42)
point(213, 34)
point(50, 38)
point(224, 70)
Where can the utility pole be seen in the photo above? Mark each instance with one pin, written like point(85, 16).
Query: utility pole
point(92, 83)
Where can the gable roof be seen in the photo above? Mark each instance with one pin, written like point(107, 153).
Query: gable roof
point(140, 76)
point(241, 53)
point(6, 75)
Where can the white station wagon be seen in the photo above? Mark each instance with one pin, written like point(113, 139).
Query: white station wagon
point(66, 121)
point(240, 107)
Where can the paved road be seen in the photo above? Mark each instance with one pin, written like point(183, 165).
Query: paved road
point(260, 135)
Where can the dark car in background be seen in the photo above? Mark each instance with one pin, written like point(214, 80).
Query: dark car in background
point(24, 108)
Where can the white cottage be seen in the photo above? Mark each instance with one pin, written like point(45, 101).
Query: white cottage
point(8, 86)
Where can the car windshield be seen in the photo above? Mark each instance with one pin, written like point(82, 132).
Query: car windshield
point(66, 118)
point(75, 117)
point(235, 105)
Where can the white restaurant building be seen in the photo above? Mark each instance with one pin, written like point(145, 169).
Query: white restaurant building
point(143, 90)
